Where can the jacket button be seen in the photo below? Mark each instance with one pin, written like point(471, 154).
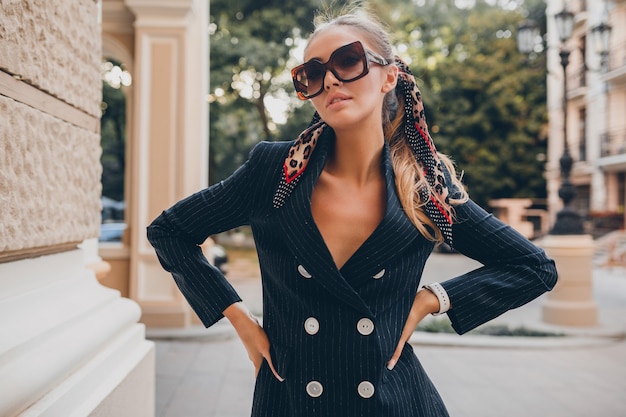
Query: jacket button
point(304, 272)
point(379, 275)
point(365, 326)
point(315, 389)
point(311, 325)
point(366, 389)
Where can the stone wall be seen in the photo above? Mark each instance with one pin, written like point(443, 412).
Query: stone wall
point(50, 95)
point(54, 46)
point(50, 179)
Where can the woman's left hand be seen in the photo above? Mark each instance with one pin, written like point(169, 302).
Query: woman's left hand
point(425, 303)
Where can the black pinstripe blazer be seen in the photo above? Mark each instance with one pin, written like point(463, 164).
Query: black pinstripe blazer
point(333, 331)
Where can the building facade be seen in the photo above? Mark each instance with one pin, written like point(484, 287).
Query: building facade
point(596, 111)
point(71, 346)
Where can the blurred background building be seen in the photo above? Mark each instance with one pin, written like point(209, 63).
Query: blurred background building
point(595, 107)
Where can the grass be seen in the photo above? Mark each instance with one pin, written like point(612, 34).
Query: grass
point(443, 325)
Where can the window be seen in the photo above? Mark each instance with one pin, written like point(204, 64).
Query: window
point(582, 136)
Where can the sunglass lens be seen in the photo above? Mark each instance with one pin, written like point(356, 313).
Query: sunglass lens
point(349, 63)
point(310, 77)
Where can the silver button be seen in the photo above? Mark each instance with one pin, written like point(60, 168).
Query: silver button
point(379, 275)
point(365, 326)
point(304, 272)
point(366, 389)
point(311, 325)
point(315, 389)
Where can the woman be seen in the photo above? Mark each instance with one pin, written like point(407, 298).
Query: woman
point(344, 219)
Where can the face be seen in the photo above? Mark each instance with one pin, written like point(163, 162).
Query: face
point(345, 78)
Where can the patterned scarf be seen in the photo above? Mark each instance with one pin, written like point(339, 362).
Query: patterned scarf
point(435, 196)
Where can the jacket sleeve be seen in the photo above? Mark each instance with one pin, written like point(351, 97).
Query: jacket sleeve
point(177, 233)
point(514, 270)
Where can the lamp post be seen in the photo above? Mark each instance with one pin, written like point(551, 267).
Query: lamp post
point(568, 221)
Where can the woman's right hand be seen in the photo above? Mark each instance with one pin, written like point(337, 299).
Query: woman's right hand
point(252, 336)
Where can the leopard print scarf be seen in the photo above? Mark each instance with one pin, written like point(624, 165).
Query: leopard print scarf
point(435, 196)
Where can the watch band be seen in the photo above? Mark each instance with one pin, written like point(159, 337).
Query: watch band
point(442, 296)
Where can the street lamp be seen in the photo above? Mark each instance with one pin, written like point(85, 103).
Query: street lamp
point(601, 36)
point(568, 221)
point(527, 33)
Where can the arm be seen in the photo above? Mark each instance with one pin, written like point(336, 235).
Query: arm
point(177, 233)
point(515, 271)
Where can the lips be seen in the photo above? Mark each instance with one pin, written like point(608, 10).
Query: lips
point(336, 98)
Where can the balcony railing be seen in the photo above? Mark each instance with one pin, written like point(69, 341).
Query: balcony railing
point(613, 143)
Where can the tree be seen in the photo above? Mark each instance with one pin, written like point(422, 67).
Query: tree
point(113, 132)
point(486, 106)
point(251, 43)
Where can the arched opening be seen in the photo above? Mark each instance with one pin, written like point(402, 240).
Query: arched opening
point(113, 140)
point(116, 126)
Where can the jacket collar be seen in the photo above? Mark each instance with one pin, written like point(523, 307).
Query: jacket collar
point(390, 238)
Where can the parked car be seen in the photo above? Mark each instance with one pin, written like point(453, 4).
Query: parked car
point(111, 232)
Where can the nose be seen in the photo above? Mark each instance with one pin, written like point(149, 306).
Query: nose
point(330, 79)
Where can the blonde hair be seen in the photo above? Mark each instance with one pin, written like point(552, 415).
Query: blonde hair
point(409, 178)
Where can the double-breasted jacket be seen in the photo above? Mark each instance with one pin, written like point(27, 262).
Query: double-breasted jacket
point(332, 330)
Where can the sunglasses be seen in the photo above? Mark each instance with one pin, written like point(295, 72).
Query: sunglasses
point(347, 63)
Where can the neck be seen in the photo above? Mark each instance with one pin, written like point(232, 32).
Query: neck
point(356, 156)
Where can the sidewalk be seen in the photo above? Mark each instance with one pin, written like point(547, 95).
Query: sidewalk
point(211, 376)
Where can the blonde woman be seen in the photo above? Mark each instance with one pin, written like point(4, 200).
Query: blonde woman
point(344, 219)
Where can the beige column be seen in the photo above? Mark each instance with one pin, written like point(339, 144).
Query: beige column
point(170, 139)
point(571, 302)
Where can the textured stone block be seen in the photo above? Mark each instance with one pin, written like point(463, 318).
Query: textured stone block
point(55, 46)
point(49, 179)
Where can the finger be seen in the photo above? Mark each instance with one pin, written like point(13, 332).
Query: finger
point(409, 327)
point(268, 358)
point(396, 355)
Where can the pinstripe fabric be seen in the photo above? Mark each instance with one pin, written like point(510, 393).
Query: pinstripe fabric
point(377, 284)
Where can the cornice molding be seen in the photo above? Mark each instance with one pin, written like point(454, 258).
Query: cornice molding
point(116, 17)
point(162, 13)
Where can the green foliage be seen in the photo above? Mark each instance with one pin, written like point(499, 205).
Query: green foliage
point(113, 141)
point(251, 43)
point(443, 325)
point(485, 104)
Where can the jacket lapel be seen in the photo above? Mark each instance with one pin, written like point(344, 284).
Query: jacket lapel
point(303, 237)
point(392, 236)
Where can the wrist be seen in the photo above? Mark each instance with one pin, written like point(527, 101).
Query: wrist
point(237, 313)
point(443, 301)
point(428, 301)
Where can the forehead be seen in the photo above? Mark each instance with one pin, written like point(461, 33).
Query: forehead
point(325, 42)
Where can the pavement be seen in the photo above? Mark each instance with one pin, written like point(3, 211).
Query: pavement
point(206, 372)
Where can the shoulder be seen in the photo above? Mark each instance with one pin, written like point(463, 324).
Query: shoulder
point(270, 149)
point(265, 166)
point(268, 157)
